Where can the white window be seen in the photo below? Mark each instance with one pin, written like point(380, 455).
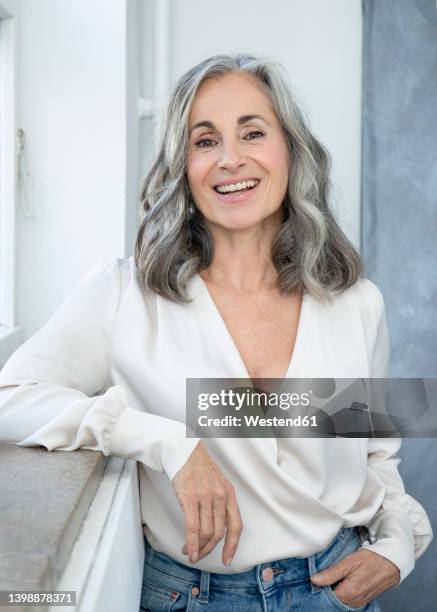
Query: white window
point(154, 76)
point(10, 333)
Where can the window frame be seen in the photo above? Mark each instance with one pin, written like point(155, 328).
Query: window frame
point(10, 332)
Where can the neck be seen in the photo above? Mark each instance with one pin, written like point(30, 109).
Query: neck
point(242, 258)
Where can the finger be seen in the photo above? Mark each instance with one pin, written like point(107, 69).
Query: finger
point(361, 585)
point(192, 524)
point(234, 527)
point(352, 594)
point(219, 527)
point(331, 574)
point(206, 531)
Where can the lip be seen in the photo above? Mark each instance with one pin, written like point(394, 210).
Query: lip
point(233, 197)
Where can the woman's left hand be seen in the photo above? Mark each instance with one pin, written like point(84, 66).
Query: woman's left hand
point(364, 574)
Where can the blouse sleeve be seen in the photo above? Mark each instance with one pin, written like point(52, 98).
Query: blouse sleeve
point(400, 530)
point(54, 389)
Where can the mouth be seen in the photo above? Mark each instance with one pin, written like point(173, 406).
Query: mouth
point(237, 192)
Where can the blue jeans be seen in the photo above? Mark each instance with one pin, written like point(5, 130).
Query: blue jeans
point(169, 585)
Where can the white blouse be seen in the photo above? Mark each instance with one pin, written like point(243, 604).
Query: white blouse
point(107, 373)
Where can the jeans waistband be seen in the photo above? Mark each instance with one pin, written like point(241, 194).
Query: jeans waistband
point(285, 571)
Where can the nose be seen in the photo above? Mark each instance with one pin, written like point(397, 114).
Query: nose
point(231, 157)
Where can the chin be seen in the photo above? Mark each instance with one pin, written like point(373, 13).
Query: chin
point(238, 227)
point(239, 221)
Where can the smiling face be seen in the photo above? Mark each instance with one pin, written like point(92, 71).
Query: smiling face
point(234, 135)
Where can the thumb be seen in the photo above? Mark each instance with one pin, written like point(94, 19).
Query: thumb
point(330, 574)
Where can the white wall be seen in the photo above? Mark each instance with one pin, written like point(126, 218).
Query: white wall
point(319, 42)
point(76, 106)
point(72, 100)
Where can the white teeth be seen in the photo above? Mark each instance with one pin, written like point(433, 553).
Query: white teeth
point(237, 186)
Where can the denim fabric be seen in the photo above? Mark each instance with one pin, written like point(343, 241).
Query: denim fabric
point(169, 585)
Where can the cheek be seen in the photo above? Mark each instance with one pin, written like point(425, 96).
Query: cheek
point(281, 160)
point(197, 170)
point(276, 160)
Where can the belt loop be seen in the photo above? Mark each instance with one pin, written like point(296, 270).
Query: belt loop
point(312, 570)
point(204, 587)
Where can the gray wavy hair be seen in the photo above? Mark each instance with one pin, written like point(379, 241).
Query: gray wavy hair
point(309, 250)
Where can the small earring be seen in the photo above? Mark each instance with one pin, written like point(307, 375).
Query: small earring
point(191, 210)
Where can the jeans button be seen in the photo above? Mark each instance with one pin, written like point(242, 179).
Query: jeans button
point(267, 574)
point(195, 591)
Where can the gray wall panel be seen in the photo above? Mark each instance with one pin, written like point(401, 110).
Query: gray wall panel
point(399, 228)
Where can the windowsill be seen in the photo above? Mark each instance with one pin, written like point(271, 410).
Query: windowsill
point(72, 522)
point(106, 563)
point(10, 340)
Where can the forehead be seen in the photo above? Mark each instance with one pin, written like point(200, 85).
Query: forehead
point(233, 94)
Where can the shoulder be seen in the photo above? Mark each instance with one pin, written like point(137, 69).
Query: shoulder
point(108, 274)
point(369, 301)
point(101, 288)
point(363, 298)
point(108, 268)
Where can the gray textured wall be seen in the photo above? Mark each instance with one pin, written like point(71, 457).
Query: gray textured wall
point(399, 228)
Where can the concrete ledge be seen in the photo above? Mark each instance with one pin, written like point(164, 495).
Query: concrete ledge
point(106, 564)
point(44, 499)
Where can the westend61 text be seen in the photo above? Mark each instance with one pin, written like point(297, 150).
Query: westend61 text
point(256, 421)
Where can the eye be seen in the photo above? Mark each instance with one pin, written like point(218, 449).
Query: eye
point(254, 132)
point(200, 142)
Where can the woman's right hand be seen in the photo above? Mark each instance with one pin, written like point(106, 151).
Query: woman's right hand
point(210, 507)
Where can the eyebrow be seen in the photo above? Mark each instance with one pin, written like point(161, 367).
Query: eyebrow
point(241, 120)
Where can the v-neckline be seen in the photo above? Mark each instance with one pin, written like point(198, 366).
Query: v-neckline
point(210, 302)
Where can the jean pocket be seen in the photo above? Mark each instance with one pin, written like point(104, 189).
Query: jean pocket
point(156, 598)
point(339, 604)
point(351, 545)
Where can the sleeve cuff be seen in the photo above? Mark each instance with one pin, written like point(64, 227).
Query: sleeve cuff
point(158, 442)
point(394, 540)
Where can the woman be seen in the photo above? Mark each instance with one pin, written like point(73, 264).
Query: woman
point(240, 271)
